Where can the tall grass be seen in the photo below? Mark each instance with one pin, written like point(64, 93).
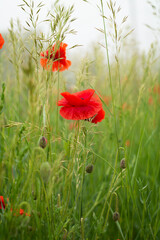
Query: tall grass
point(90, 181)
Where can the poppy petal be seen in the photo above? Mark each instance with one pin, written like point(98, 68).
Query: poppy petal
point(2, 204)
point(1, 41)
point(65, 66)
point(72, 99)
point(56, 57)
point(79, 98)
point(99, 117)
point(45, 63)
point(63, 102)
point(85, 95)
point(79, 112)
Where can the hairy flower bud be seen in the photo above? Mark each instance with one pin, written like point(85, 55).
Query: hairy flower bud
point(123, 163)
point(45, 171)
point(42, 142)
point(89, 168)
point(116, 216)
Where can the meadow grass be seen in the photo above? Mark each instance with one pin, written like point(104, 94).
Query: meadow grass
point(90, 181)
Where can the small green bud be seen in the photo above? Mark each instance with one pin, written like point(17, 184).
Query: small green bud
point(116, 216)
point(42, 142)
point(123, 163)
point(89, 168)
point(45, 171)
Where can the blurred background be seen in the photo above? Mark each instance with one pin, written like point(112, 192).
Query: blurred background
point(139, 14)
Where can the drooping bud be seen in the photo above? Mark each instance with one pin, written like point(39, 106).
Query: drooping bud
point(123, 163)
point(89, 168)
point(45, 171)
point(116, 216)
point(42, 142)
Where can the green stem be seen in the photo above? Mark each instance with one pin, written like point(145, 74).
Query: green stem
point(109, 69)
point(57, 117)
point(109, 192)
point(83, 179)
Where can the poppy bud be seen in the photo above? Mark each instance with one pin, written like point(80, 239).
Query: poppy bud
point(116, 216)
point(42, 142)
point(89, 168)
point(123, 163)
point(45, 171)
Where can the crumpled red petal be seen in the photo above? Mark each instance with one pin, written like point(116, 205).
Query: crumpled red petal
point(99, 117)
point(79, 98)
point(79, 112)
point(54, 59)
point(81, 106)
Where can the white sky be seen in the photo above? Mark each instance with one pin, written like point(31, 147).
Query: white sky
point(88, 19)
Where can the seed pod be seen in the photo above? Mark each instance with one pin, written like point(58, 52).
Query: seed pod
point(45, 171)
point(116, 216)
point(89, 168)
point(123, 163)
point(42, 142)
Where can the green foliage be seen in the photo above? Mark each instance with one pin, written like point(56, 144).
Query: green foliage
point(72, 187)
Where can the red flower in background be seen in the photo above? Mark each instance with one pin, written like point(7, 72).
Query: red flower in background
point(55, 58)
point(84, 105)
point(1, 41)
point(127, 143)
point(20, 212)
point(2, 204)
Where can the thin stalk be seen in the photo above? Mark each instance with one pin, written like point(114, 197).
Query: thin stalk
point(109, 69)
point(83, 179)
point(82, 228)
point(109, 192)
point(57, 115)
point(71, 167)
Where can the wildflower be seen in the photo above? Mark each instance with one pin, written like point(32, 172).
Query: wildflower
point(89, 168)
point(150, 100)
point(2, 204)
point(107, 100)
point(55, 58)
point(20, 212)
point(1, 41)
point(156, 89)
point(127, 143)
point(125, 106)
point(84, 105)
point(116, 216)
point(42, 142)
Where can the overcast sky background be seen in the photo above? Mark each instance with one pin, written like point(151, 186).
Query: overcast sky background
point(88, 19)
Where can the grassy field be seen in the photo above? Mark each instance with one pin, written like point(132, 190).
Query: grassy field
point(74, 179)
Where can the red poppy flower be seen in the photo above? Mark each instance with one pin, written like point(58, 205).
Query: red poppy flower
point(20, 212)
point(1, 41)
point(84, 105)
point(2, 204)
point(55, 58)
